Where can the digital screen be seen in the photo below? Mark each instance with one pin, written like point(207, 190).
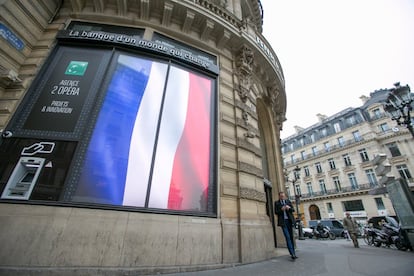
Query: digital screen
point(151, 144)
point(66, 89)
point(28, 177)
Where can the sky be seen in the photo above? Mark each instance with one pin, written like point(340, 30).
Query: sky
point(334, 51)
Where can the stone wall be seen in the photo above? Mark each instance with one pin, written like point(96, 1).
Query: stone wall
point(72, 237)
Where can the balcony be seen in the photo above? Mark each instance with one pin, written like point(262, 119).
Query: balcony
point(323, 152)
point(333, 192)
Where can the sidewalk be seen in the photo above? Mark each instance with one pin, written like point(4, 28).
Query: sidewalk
point(316, 258)
point(325, 258)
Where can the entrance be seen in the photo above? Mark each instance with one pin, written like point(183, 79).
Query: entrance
point(314, 212)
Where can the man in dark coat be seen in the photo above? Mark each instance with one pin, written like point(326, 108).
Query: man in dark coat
point(284, 211)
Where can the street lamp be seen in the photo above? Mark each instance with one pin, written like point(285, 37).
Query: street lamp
point(399, 105)
point(296, 171)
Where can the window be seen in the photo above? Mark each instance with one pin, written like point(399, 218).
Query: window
point(364, 155)
point(341, 141)
point(353, 181)
point(337, 127)
point(310, 188)
point(347, 160)
point(322, 186)
point(350, 120)
point(331, 163)
point(326, 146)
point(337, 183)
point(353, 205)
point(377, 113)
point(318, 167)
point(403, 171)
point(143, 162)
point(306, 169)
point(372, 180)
point(394, 150)
point(313, 137)
point(324, 132)
point(337, 224)
point(296, 174)
point(329, 207)
point(292, 158)
point(357, 136)
point(301, 141)
point(303, 155)
point(383, 127)
point(288, 192)
point(380, 203)
point(298, 191)
point(314, 151)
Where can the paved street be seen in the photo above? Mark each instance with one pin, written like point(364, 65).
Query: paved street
point(326, 257)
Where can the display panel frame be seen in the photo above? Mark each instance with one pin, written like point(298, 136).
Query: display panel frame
point(81, 131)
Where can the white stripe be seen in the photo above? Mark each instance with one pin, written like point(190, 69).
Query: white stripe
point(143, 137)
point(172, 127)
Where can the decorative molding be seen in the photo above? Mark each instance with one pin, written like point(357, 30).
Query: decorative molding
point(244, 64)
point(166, 17)
point(188, 22)
point(245, 144)
point(220, 11)
point(248, 193)
point(223, 39)
point(8, 77)
point(99, 6)
point(250, 169)
point(247, 126)
point(122, 7)
point(209, 26)
point(145, 9)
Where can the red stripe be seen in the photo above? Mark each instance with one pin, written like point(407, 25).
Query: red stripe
point(190, 176)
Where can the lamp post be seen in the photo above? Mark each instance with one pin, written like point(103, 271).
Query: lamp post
point(399, 105)
point(297, 200)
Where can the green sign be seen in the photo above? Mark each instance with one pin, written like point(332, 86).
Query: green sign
point(76, 68)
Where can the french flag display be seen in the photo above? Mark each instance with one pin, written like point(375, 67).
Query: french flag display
point(151, 145)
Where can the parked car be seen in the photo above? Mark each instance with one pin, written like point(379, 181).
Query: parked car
point(334, 225)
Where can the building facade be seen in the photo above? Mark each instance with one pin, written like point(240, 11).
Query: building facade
point(334, 162)
point(138, 135)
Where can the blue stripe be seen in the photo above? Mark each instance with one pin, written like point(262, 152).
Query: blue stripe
point(103, 176)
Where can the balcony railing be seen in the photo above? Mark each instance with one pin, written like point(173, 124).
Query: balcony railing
point(324, 151)
point(348, 189)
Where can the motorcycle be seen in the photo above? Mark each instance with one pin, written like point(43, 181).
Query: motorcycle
point(370, 234)
point(323, 232)
point(391, 234)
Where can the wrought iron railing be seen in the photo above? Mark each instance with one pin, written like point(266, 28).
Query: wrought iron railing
point(347, 189)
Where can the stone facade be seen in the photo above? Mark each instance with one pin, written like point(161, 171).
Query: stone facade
point(251, 104)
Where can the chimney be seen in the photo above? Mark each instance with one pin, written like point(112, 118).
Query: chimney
point(364, 99)
point(321, 117)
point(298, 129)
